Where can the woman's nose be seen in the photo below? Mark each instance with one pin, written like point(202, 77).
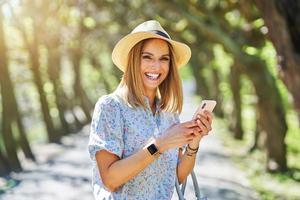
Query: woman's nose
point(155, 63)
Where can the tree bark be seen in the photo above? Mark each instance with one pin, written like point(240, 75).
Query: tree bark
point(216, 94)
point(32, 47)
point(16, 116)
point(96, 64)
point(7, 105)
point(272, 114)
point(282, 19)
point(235, 83)
point(53, 136)
point(54, 76)
point(80, 95)
point(259, 135)
point(197, 68)
point(23, 141)
point(4, 165)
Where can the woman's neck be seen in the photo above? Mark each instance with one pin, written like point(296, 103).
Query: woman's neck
point(151, 96)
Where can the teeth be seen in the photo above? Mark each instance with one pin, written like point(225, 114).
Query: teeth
point(152, 75)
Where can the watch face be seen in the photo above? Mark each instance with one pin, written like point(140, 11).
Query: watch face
point(152, 149)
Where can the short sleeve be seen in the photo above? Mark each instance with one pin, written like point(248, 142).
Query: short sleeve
point(106, 128)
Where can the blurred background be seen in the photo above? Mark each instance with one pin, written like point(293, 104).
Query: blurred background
point(55, 62)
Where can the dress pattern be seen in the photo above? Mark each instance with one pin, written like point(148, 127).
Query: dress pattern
point(123, 130)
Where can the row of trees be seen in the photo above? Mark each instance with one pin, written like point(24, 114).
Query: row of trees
point(66, 45)
point(39, 28)
point(210, 25)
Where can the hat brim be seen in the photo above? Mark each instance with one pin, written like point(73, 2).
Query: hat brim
point(122, 48)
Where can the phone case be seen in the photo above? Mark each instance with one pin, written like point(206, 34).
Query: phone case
point(208, 105)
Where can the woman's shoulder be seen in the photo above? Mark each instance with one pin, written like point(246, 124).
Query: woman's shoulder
point(108, 100)
point(170, 113)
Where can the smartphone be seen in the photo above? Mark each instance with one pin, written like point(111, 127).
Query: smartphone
point(208, 105)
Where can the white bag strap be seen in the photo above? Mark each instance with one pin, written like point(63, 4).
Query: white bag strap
point(181, 190)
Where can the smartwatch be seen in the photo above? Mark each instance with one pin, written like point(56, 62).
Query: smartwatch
point(153, 150)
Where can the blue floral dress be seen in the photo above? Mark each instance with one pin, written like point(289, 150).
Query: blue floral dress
point(123, 130)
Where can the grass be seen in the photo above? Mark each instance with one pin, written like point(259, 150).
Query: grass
point(268, 185)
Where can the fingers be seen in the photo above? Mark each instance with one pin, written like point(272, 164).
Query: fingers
point(191, 131)
point(189, 124)
point(181, 141)
point(196, 131)
point(181, 134)
point(204, 122)
point(184, 133)
point(202, 127)
point(209, 116)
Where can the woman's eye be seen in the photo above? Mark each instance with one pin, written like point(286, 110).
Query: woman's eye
point(146, 57)
point(165, 59)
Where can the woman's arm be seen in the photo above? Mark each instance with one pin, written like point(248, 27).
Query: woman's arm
point(185, 165)
point(115, 172)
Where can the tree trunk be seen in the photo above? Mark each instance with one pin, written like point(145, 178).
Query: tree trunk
point(96, 64)
point(24, 143)
point(53, 136)
point(4, 165)
point(80, 95)
point(259, 135)
point(216, 94)
point(285, 14)
point(7, 105)
point(197, 68)
point(272, 114)
point(54, 75)
point(237, 108)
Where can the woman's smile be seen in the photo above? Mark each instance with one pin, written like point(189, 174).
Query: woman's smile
point(152, 76)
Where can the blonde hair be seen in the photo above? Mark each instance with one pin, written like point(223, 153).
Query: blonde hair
point(131, 87)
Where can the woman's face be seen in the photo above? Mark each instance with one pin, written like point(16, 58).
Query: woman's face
point(155, 62)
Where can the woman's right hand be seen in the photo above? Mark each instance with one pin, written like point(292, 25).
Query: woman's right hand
point(177, 135)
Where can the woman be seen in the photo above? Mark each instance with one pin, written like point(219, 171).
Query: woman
point(136, 138)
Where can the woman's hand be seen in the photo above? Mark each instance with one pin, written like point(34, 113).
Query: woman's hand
point(178, 135)
point(204, 122)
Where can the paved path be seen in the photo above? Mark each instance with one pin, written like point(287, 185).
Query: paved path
point(64, 172)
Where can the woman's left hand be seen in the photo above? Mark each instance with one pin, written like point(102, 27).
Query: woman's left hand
point(204, 122)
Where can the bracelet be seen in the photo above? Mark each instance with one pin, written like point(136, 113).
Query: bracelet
point(190, 151)
point(196, 149)
point(190, 154)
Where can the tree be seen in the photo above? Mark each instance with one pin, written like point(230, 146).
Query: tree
point(7, 106)
point(286, 40)
point(269, 101)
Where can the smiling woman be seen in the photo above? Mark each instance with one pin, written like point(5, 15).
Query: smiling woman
point(152, 66)
point(136, 137)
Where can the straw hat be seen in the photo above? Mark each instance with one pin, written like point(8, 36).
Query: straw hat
point(148, 29)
